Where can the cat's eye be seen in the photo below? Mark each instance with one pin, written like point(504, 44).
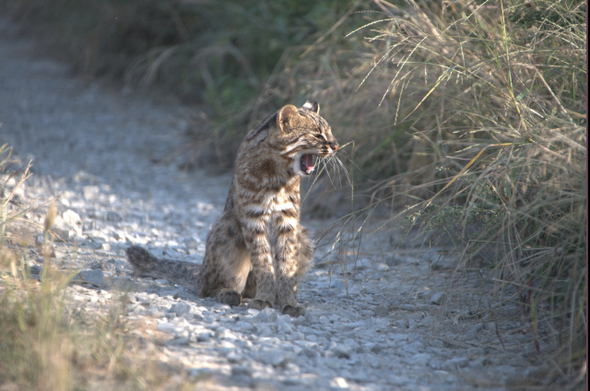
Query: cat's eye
point(319, 136)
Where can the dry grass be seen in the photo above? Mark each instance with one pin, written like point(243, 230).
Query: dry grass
point(47, 341)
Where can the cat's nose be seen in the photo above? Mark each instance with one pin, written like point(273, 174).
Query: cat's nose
point(334, 146)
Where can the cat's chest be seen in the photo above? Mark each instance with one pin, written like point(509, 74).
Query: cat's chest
point(278, 203)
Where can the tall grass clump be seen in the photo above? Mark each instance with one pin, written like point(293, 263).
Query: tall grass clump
point(493, 95)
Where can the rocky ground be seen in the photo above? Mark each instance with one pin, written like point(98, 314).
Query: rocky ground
point(379, 317)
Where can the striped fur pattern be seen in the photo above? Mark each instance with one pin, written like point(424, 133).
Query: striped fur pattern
point(258, 248)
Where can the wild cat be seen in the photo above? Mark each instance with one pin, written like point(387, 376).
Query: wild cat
point(257, 248)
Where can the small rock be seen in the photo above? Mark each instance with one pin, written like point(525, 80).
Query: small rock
point(285, 328)
point(240, 370)
point(114, 216)
point(455, 363)
point(309, 317)
point(201, 373)
point(36, 269)
point(182, 341)
point(264, 330)
point(339, 382)
point(424, 294)
point(242, 326)
point(252, 312)
point(352, 344)
point(123, 282)
point(394, 260)
point(221, 333)
point(311, 338)
point(72, 218)
point(173, 253)
point(94, 276)
point(204, 337)
point(157, 313)
point(420, 359)
point(91, 192)
point(382, 311)
point(438, 298)
point(297, 336)
point(309, 353)
point(340, 351)
point(324, 320)
point(443, 263)
point(276, 358)
point(412, 260)
point(398, 380)
point(401, 324)
point(267, 315)
point(180, 308)
point(166, 327)
point(334, 318)
point(192, 243)
point(60, 235)
point(482, 362)
point(362, 264)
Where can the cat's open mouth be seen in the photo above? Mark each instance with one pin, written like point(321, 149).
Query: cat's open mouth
point(307, 163)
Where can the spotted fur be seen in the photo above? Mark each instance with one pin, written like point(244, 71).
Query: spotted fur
point(258, 248)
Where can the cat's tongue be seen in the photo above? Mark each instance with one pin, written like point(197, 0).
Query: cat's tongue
point(307, 163)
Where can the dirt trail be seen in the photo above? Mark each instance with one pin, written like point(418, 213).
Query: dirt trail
point(382, 321)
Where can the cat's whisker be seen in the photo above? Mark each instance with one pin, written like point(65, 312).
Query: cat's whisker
point(339, 167)
point(325, 164)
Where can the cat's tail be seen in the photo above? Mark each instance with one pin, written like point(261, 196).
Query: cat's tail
point(146, 265)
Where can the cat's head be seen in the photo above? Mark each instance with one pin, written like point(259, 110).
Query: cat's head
point(305, 136)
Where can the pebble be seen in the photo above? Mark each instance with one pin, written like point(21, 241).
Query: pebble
point(274, 357)
point(365, 327)
point(443, 263)
point(455, 363)
point(94, 276)
point(267, 315)
point(438, 298)
point(339, 350)
point(36, 269)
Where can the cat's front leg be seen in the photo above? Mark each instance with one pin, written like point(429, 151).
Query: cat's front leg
point(287, 270)
point(262, 269)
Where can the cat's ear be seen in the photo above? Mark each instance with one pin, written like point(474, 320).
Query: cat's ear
point(313, 106)
point(286, 117)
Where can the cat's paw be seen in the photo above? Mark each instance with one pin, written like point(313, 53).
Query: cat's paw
point(257, 304)
point(228, 297)
point(293, 311)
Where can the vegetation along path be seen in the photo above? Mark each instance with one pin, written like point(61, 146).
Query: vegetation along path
point(379, 320)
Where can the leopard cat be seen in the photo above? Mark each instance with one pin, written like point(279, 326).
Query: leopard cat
point(258, 249)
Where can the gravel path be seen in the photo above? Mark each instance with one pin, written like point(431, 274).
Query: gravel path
point(381, 321)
